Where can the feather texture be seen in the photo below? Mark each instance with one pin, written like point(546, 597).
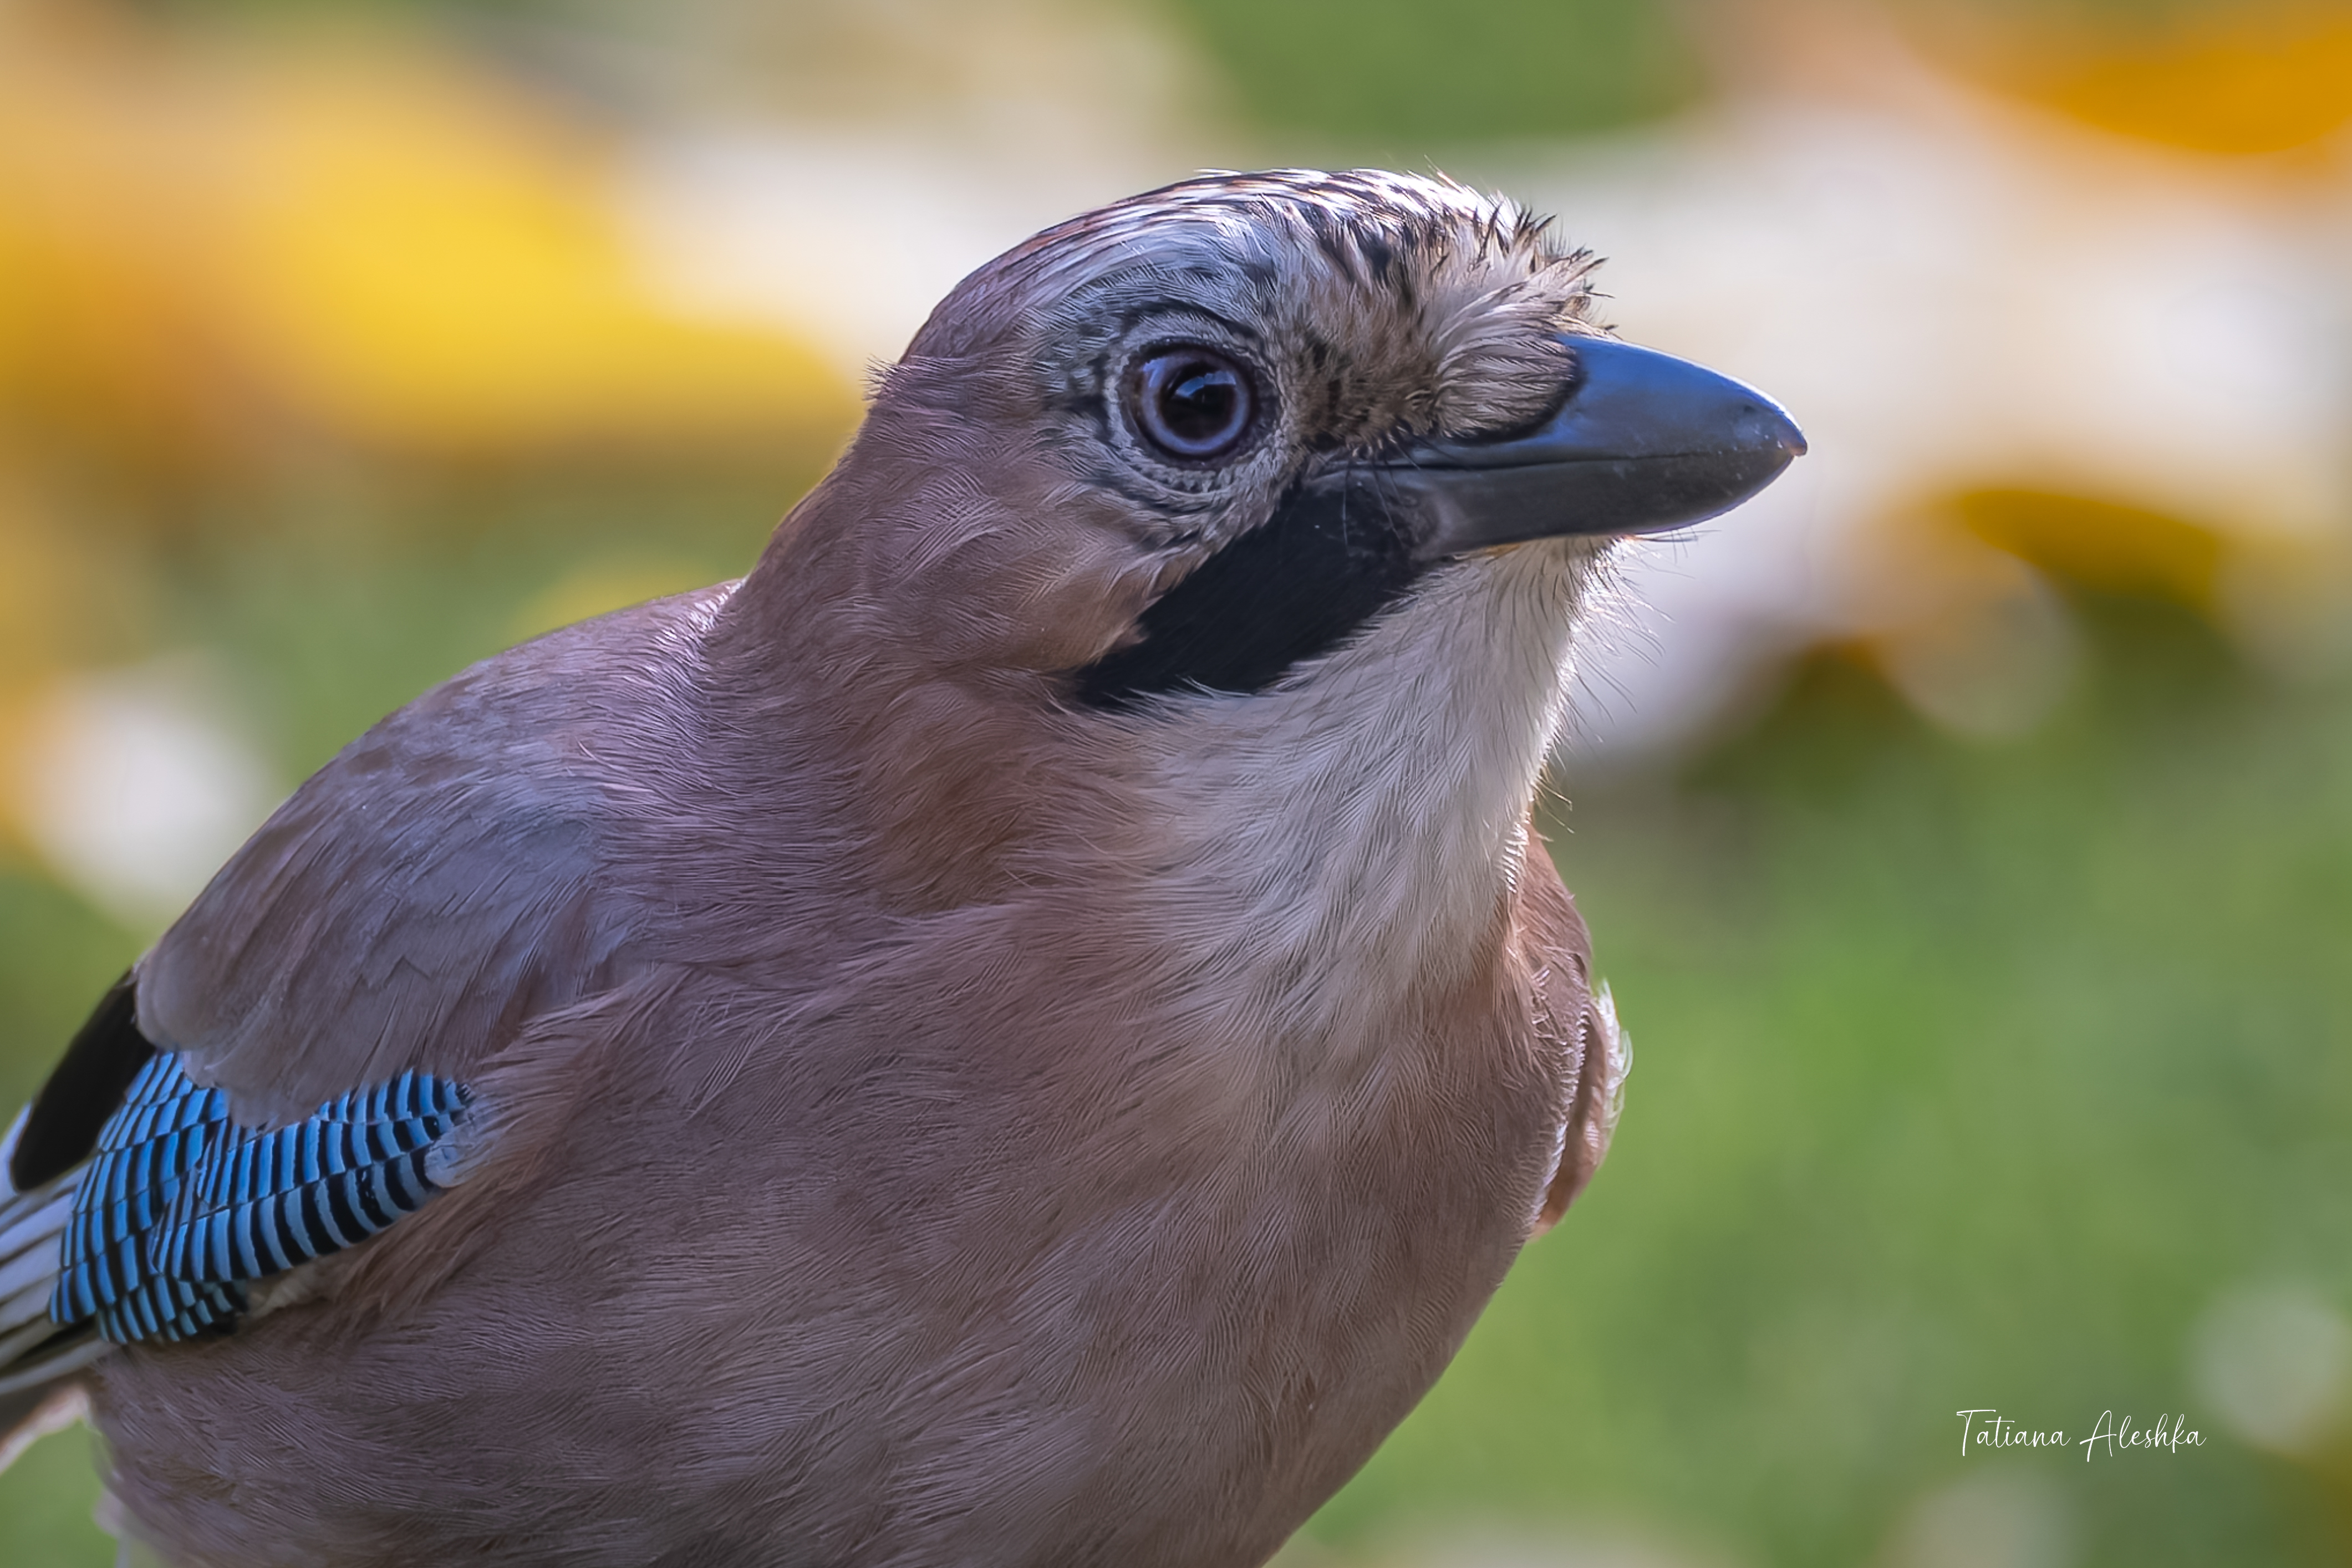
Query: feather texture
point(181, 1207)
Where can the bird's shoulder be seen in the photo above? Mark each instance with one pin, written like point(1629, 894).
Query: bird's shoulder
point(1577, 1019)
point(440, 882)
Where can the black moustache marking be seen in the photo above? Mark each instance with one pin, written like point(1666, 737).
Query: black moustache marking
point(1330, 559)
point(62, 1128)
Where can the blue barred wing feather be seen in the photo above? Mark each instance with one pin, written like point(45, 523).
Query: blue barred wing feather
point(145, 1153)
point(181, 1207)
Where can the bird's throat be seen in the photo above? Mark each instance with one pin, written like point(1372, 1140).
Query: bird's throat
point(1340, 837)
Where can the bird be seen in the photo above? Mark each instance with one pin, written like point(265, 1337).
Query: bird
point(1025, 1030)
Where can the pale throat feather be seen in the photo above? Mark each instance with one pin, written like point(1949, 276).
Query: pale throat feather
point(1338, 838)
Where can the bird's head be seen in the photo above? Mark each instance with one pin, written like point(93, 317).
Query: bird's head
point(1196, 440)
point(1298, 462)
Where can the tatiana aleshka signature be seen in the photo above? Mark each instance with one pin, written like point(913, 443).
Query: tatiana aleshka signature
point(1981, 1429)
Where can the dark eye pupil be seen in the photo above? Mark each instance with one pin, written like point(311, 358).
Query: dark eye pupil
point(1192, 403)
point(1201, 404)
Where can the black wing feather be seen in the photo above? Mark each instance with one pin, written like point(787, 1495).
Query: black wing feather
point(61, 1129)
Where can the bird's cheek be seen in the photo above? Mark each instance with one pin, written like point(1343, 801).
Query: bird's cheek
point(1027, 597)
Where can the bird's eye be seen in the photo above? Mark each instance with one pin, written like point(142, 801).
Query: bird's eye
point(1191, 403)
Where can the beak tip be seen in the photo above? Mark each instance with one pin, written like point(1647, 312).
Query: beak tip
point(1773, 427)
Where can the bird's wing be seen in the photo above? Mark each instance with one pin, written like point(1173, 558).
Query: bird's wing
point(1581, 1018)
point(278, 1078)
point(411, 907)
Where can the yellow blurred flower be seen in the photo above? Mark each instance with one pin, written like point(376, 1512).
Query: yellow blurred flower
point(2100, 544)
point(1970, 626)
point(204, 250)
point(2228, 76)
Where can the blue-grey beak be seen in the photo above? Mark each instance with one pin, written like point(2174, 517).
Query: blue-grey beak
point(1644, 442)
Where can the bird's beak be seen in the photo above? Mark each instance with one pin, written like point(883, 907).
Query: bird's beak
point(1644, 442)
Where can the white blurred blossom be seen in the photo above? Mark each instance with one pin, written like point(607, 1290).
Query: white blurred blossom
point(134, 784)
point(2275, 1361)
point(1989, 1518)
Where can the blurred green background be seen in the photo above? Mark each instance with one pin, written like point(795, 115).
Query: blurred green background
point(1992, 1019)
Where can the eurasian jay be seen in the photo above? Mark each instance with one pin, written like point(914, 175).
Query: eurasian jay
point(1024, 1031)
